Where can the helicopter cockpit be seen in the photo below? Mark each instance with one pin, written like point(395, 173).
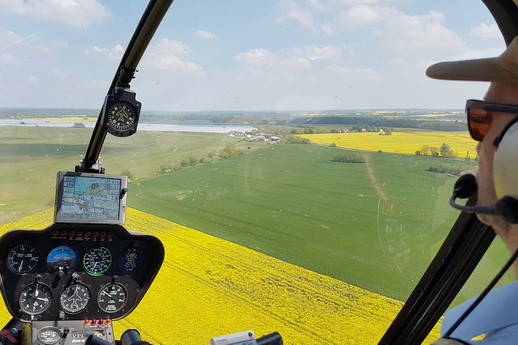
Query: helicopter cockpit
point(69, 282)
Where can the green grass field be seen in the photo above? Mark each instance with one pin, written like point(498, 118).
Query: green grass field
point(31, 157)
point(374, 225)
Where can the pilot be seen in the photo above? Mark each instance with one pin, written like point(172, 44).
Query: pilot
point(495, 319)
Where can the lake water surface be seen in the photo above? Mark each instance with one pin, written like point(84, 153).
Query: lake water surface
point(216, 128)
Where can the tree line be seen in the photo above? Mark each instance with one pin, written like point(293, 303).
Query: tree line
point(381, 122)
point(443, 151)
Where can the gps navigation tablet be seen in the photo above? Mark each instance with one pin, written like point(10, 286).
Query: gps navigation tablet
point(90, 198)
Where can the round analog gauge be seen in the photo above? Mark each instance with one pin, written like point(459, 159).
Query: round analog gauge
point(97, 260)
point(74, 298)
point(131, 260)
point(35, 298)
point(121, 116)
point(61, 259)
point(49, 335)
point(22, 259)
point(112, 298)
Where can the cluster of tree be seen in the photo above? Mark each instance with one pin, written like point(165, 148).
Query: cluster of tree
point(308, 130)
point(349, 157)
point(293, 139)
point(228, 152)
point(381, 122)
point(443, 151)
point(453, 169)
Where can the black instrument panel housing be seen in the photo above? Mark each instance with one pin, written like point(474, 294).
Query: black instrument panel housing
point(81, 238)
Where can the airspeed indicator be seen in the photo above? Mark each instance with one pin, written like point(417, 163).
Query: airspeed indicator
point(97, 260)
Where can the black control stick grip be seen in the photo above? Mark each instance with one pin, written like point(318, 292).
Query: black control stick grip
point(94, 340)
point(132, 337)
point(270, 339)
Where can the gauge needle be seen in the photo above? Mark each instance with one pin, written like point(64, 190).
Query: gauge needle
point(106, 293)
point(20, 268)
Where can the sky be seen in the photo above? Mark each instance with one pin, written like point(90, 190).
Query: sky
point(236, 55)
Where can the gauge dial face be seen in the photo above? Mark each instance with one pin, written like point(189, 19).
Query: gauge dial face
point(121, 116)
point(62, 258)
point(112, 298)
point(22, 259)
point(74, 298)
point(35, 298)
point(49, 335)
point(131, 260)
point(97, 260)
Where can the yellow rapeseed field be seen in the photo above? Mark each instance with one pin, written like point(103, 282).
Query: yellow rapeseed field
point(398, 142)
point(209, 287)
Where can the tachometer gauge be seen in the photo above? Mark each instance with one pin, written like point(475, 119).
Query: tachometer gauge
point(49, 335)
point(35, 298)
point(74, 299)
point(22, 259)
point(97, 260)
point(61, 259)
point(112, 298)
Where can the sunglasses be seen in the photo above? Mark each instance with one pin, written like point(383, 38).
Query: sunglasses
point(479, 119)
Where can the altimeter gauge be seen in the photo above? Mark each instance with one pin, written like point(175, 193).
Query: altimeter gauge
point(121, 112)
point(22, 259)
point(35, 298)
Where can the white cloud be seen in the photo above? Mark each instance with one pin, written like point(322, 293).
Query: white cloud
point(206, 34)
point(292, 11)
point(8, 39)
point(8, 59)
point(258, 56)
point(173, 47)
point(113, 54)
point(364, 73)
point(68, 12)
point(59, 74)
point(422, 33)
point(486, 31)
point(32, 79)
point(362, 16)
point(397, 31)
point(316, 53)
point(164, 55)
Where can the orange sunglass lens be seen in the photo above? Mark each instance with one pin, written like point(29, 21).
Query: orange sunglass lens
point(478, 122)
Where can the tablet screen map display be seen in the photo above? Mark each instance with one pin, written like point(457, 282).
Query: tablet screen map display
point(90, 198)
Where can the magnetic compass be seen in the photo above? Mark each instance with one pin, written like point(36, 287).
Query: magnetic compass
point(121, 116)
point(121, 113)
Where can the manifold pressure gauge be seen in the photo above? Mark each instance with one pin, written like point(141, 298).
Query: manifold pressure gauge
point(121, 112)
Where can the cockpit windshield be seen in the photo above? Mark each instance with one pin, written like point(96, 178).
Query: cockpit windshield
point(292, 157)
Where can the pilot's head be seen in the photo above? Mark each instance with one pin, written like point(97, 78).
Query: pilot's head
point(488, 120)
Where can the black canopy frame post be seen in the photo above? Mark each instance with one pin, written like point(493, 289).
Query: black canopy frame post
point(151, 19)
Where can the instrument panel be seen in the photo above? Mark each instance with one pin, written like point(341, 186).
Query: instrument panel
point(76, 271)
